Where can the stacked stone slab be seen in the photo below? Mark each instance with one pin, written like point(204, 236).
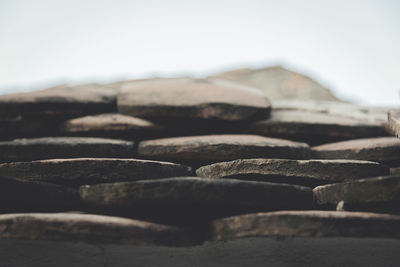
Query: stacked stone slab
point(119, 166)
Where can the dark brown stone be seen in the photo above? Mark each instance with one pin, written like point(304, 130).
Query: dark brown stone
point(214, 148)
point(65, 101)
point(64, 147)
point(381, 194)
point(315, 128)
point(300, 172)
point(192, 199)
point(89, 228)
point(381, 149)
point(193, 99)
point(306, 224)
point(111, 125)
point(26, 196)
point(81, 171)
point(394, 121)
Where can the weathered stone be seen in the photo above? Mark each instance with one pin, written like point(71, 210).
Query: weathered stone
point(280, 83)
point(192, 199)
point(317, 224)
point(64, 147)
point(111, 125)
point(300, 172)
point(394, 121)
point(27, 196)
point(193, 99)
point(214, 148)
point(60, 101)
point(347, 110)
point(315, 128)
point(380, 149)
point(380, 194)
point(89, 228)
point(81, 171)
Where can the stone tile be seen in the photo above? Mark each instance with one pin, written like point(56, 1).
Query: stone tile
point(380, 149)
point(347, 110)
point(394, 121)
point(64, 147)
point(300, 172)
point(192, 200)
point(306, 224)
point(280, 83)
point(111, 125)
point(89, 228)
point(81, 171)
point(381, 194)
point(26, 196)
point(193, 99)
point(214, 148)
point(314, 127)
point(68, 101)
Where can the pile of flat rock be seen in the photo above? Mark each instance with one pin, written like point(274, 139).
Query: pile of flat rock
point(195, 172)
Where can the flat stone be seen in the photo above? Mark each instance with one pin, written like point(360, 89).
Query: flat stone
point(280, 83)
point(89, 228)
point(300, 172)
point(111, 125)
point(381, 149)
point(394, 121)
point(192, 199)
point(26, 196)
point(215, 148)
point(81, 171)
point(67, 101)
point(380, 194)
point(193, 99)
point(314, 127)
point(347, 110)
point(64, 147)
point(306, 224)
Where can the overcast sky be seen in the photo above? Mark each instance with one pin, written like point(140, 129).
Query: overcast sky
point(351, 46)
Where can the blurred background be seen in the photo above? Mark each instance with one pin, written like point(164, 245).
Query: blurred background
point(350, 47)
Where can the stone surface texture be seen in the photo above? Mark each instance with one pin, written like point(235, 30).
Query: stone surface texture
point(214, 148)
point(279, 83)
point(380, 149)
point(304, 172)
point(316, 224)
point(193, 99)
point(81, 171)
point(64, 147)
point(193, 199)
point(89, 228)
point(394, 121)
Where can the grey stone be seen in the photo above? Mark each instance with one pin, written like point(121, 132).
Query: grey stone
point(89, 228)
point(64, 147)
point(301, 172)
point(306, 224)
point(192, 200)
point(26, 196)
point(315, 127)
point(193, 99)
point(380, 149)
point(197, 150)
point(381, 194)
point(279, 83)
point(81, 171)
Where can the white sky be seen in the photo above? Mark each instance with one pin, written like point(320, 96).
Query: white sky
point(351, 46)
